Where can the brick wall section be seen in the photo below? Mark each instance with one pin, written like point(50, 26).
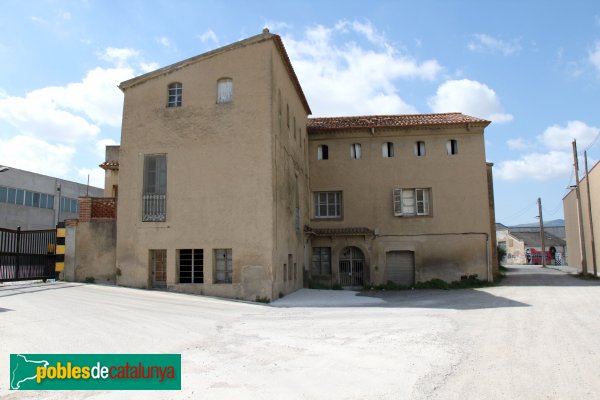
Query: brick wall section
point(85, 209)
point(97, 208)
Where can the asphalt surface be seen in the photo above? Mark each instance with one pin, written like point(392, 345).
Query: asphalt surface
point(533, 337)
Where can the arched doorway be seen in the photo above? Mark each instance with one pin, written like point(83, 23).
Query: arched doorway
point(352, 266)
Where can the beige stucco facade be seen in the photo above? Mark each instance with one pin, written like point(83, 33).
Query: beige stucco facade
point(453, 240)
point(236, 172)
point(572, 220)
point(241, 178)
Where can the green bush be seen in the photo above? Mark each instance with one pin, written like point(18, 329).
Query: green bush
point(264, 300)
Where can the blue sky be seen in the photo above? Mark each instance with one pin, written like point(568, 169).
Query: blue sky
point(532, 67)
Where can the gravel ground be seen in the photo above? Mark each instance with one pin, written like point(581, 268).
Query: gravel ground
point(533, 337)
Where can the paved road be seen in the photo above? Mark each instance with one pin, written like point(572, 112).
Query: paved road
point(534, 337)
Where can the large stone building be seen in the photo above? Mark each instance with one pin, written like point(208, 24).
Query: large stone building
point(572, 220)
point(226, 187)
point(35, 201)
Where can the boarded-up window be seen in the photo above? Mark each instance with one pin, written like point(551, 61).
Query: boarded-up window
point(191, 266)
point(223, 266)
point(224, 90)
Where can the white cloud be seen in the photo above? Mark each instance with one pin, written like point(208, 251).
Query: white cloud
point(556, 137)
point(557, 162)
point(36, 155)
point(118, 56)
point(489, 44)
point(517, 144)
point(209, 35)
point(164, 41)
point(96, 176)
point(594, 56)
point(536, 166)
point(341, 77)
point(276, 26)
point(469, 97)
point(72, 112)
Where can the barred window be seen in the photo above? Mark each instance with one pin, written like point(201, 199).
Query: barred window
point(191, 266)
point(321, 260)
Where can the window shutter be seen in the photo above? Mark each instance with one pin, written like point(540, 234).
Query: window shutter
point(397, 199)
point(224, 91)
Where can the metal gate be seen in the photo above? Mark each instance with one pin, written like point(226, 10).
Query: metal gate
point(400, 267)
point(352, 263)
point(27, 255)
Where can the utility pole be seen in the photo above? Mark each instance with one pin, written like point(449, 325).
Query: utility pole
point(541, 217)
point(589, 199)
point(579, 213)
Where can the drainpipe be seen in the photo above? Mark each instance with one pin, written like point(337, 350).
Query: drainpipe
point(487, 256)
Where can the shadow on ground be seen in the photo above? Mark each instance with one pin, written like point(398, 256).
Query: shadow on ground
point(18, 288)
point(538, 276)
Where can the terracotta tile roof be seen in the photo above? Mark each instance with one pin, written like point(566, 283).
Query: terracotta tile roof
point(337, 231)
point(391, 121)
point(114, 165)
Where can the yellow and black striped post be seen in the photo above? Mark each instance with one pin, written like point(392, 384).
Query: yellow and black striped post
point(60, 248)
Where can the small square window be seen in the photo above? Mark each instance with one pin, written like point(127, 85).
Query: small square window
point(452, 147)
point(387, 149)
point(322, 152)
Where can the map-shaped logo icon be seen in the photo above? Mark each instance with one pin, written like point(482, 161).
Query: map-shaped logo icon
point(24, 370)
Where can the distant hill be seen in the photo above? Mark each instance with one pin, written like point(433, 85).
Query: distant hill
point(547, 224)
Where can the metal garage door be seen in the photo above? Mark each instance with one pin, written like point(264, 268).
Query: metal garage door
point(400, 267)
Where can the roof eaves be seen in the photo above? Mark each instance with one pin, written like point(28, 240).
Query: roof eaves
point(178, 65)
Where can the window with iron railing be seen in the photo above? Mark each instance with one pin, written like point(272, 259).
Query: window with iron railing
point(154, 198)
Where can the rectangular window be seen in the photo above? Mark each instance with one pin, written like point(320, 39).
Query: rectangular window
point(420, 149)
point(355, 151)
point(154, 199)
point(175, 95)
point(43, 200)
point(452, 147)
point(328, 204)
point(50, 202)
point(20, 196)
point(191, 266)
point(409, 202)
point(3, 192)
point(12, 195)
point(321, 260)
point(387, 149)
point(28, 198)
point(223, 266)
point(74, 204)
point(322, 152)
point(36, 199)
point(224, 91)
